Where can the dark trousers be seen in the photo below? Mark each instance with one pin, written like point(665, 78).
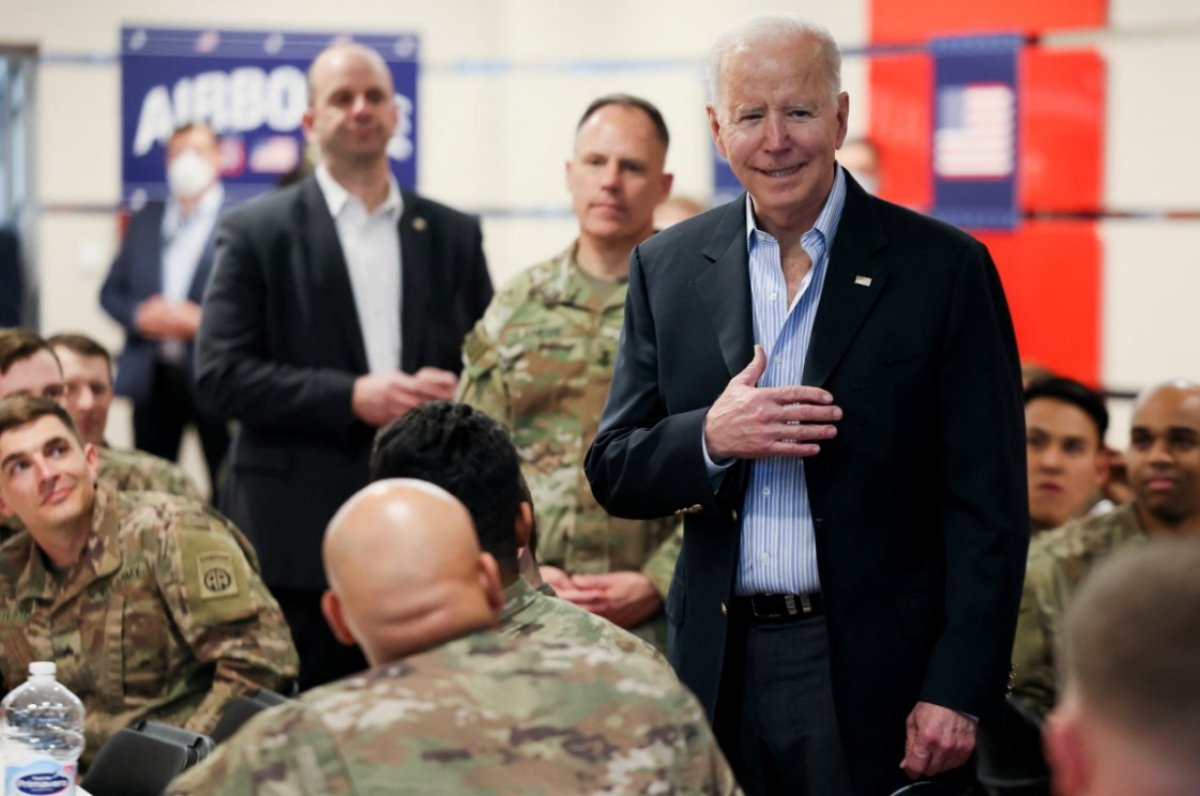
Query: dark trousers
point(158, 426)
point(775, 719)
point(323, 658)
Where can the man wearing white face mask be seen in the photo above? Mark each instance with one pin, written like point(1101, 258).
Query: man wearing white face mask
point(154, 290)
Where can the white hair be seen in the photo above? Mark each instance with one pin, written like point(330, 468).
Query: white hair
point(771, 28)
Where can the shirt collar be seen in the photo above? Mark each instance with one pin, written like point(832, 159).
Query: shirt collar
point(827, 219)
point(337, 196)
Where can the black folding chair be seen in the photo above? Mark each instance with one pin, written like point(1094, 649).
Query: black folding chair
point(242, 709)
point(1009, 757)
point(143, 759)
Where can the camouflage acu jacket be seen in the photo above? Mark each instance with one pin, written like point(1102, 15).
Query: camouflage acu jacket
point(530, 611)
point(540, 362)
point(141, 471)
point(164, 616)
point(1058, 562)
point(479, 715)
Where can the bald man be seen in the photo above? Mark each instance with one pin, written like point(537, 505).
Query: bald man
point(1164, 471)
point(450, 706)
point(336, 305)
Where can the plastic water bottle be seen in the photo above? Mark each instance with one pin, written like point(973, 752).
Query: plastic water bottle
point(43, 735)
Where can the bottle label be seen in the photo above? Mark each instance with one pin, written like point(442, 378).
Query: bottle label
point(40, 778)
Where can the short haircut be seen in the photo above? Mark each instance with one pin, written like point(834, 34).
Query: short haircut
point(633, 103)
point(1130, 645)
point(771, 27)
point(469, 455)
point(82, 345)
point(18, 345)
point(1075, 393)
point(370, 53)
point(21, 410)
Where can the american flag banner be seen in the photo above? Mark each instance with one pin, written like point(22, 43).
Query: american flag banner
point(975, 132)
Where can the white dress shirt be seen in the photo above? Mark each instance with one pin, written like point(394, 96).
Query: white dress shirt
point(371, 245)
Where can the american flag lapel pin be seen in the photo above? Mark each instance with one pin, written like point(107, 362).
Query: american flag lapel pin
point(865, 281)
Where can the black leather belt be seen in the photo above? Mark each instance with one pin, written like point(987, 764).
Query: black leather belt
point(780, 607)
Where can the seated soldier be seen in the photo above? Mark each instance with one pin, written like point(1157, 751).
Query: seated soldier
point(450, 706)
point(29, 366)
point(87, 372)
point(471, 456)
point(1065, 454)
point(150, 604)
point(1128, 720)
point(1164, 471)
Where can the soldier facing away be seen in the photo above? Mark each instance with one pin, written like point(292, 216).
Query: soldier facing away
point(151, 604)
point(471, 456)
point(451, 706)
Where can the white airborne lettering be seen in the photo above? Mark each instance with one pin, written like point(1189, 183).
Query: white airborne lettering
point(236, 101)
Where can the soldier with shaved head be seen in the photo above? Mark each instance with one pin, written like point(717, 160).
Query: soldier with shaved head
point(451, 706)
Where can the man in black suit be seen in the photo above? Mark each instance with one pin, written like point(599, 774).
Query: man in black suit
point(854, 547)
point(336, 305)
point(153, 290)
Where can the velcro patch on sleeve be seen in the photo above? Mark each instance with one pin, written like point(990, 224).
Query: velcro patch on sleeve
point(218, 577)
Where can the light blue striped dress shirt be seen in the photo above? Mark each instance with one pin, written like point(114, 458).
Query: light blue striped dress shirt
point(778, 551)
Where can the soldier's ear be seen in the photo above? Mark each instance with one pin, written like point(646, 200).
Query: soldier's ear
point(1067, 750)
point(331, 606)
point(489, 581)
point(523, 524)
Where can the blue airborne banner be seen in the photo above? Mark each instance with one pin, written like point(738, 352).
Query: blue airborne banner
point(250, 86)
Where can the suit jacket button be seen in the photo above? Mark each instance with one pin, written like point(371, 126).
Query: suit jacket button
point(735, 515)
point(724, 610)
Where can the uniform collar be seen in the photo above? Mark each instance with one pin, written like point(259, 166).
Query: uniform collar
point(517, 597)
point(569, 284)
point(100, 557)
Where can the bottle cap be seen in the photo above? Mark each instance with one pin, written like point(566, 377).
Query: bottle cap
point(42, 669)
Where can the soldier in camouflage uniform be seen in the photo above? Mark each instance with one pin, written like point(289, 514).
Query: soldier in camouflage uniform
point(150, 604)
point(450, 706)
point(471, 456)
point(30, 366)
point(541, 359)
point(87, 373)
point(1164, 470)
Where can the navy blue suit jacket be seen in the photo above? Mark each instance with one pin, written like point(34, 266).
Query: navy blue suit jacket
point(136, 275)
point(919, 503)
